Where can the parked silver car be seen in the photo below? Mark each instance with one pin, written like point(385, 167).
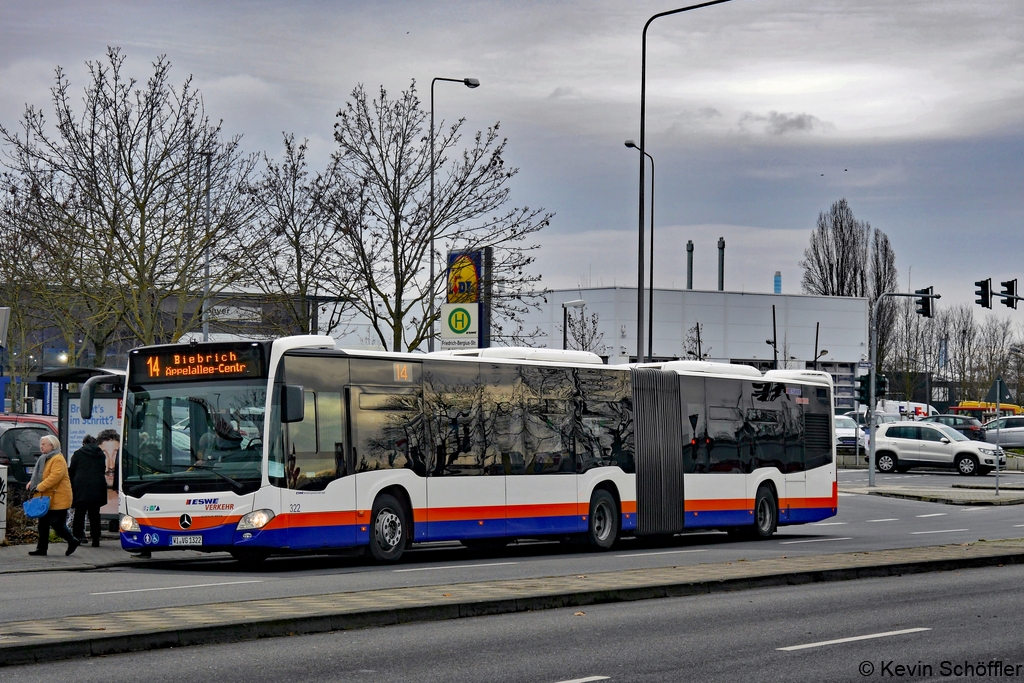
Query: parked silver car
point(1011, 431)
point(902, 445)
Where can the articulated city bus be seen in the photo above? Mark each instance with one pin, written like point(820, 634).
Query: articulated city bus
point(293, 446)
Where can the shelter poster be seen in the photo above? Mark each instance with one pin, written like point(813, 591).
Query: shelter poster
point(106, 414)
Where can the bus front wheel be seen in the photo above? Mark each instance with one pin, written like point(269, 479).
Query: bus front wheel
point(389, 530)
point(603, 527)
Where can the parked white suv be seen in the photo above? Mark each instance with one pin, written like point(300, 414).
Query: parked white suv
point(902, 445)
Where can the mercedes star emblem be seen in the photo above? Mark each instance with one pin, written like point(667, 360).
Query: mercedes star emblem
point(185, 521)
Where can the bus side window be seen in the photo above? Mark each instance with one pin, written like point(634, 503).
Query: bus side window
point(548, 420)
point(726, 425)
point(695, 450)
point(300, 445)
point(387, 427)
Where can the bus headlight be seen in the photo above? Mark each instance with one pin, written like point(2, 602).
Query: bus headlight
point(257, 519)
point(128, 524)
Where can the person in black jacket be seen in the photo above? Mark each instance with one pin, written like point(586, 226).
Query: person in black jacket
point(89, 486)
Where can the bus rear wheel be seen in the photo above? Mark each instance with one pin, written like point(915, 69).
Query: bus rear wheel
point(766, 514)
point(603, 529)
point(389, 530)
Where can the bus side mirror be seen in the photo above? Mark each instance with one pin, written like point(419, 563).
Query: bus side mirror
point(89, 388)
point(293, 403)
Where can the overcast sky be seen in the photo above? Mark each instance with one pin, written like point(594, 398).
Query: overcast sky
point(761, 113)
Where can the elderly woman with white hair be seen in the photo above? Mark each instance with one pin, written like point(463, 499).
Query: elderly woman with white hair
point(50, 478)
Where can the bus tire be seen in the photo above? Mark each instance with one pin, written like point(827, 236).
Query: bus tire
point(603, 521)
point(389, 529)
point(766, 514)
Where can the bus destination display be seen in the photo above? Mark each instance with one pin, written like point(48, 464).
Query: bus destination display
point(196, 363)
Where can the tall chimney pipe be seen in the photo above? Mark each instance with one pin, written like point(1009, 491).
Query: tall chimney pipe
point(689, 264)
point(721, 264)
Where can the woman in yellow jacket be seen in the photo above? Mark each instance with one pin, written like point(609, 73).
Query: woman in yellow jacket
point(50, 478)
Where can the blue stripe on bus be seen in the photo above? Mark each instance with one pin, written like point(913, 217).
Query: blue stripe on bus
point(717, 518)
point(806, 515)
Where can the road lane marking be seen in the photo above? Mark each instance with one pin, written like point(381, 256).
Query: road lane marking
point(817, 540)
point(1016, 525)
point(665, 552)
point(934, 514)
point(940, 531)
point(972, 509)
point(588, 679)
point(828, 523)
point(453, 566)
point(852, 639)
point(174, 588)
point(887, 519)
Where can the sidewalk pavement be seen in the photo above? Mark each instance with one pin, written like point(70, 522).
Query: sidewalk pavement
point(958, 494)
point(14, 559)
point(101, 634)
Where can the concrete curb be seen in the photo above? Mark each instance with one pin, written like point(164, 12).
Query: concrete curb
point(939, 498)
point(87, 645)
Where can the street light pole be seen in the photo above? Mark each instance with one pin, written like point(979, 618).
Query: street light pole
point(469, 83)
point(650, 293)
point(643, 137)
point(206, 254)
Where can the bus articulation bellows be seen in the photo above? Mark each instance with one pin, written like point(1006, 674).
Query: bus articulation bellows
point(294, 446)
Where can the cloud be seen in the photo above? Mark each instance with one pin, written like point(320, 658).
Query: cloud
point(780, 124)
point(562, 91)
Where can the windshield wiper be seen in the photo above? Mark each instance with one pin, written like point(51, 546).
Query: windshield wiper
point(239, 487)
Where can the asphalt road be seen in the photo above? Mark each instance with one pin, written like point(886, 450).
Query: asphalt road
point(934, 622)
point(863, 523)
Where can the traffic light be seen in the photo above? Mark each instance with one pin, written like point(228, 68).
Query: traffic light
point(1009, 293)
point(882, 382)
point(984, 293)
point(863, 386)
point(924, 304)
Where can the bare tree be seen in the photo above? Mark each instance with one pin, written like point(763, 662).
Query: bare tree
point(995, 336)
point(693, 344)
point(835, 263)
point(847, 257)
point(882, 278)
point(127, 178)
point(584, 331)
point(962, 347)
point(384, 146)
point(296, 250)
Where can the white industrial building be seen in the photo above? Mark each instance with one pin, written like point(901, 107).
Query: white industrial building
point(735, 327)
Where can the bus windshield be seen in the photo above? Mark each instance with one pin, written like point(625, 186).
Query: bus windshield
point(193, 437)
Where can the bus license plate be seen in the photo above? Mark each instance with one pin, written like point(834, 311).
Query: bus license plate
point(186, 540)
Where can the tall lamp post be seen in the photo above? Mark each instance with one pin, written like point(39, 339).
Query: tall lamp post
point(469, 83)
point(566, 305)
point(206, 254)
point(650, 294)
point(643, 137)
point(821, 354)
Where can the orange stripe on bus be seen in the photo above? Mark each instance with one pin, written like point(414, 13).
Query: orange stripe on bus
point(465, 513)
point(718, 505)
point(806, 503)
point(301, 519)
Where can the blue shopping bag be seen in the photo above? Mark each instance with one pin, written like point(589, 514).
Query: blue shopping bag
point(36, 507)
